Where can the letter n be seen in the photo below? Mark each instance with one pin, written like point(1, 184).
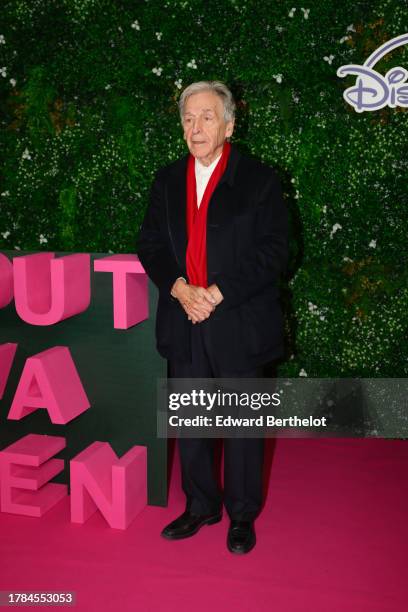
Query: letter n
point(117, 487)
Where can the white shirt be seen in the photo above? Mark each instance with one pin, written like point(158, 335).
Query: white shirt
point(202, 175)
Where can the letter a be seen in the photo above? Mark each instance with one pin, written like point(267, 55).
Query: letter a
point(7, 352)
point(51, 381)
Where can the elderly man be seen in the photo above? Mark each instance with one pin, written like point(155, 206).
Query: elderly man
point(214, 241)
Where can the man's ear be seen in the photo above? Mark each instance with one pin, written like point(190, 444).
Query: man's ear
point(230, 128)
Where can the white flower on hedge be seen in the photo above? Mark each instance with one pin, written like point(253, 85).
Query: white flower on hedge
point(302, 372)
point(277, 77)
point(292, 12)
point(279, 29)
point(2, 39)
point(305, 13)
point(26, 154)
point(343, 39)
point(3, 71)
point(5, 234)
point(335, 228)
point(13, 82)
point(192, 64)
point(135, 25)
point(373, 244)
point(178, 83)
point(351, 28)
point(42, 239)
point(157, 71)
point(329, 59)
point(159, 35)
point(5, 193)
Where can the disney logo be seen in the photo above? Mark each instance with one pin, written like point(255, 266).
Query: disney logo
point(373, 91)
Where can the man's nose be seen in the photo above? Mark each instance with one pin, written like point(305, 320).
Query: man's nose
point(196, 125)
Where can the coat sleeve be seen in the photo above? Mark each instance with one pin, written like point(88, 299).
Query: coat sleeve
point(264, 263)
point(152, 246)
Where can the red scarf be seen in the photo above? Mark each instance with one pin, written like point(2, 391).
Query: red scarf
point(196, 257)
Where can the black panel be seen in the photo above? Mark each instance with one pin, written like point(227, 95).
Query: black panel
point(118, 369)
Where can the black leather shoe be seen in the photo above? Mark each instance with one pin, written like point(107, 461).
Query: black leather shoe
point(241, 537)
point(188, 524)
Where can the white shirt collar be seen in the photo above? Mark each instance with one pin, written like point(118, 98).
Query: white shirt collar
point(203, 171)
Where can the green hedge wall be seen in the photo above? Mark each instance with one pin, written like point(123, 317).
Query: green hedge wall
point(88, 113)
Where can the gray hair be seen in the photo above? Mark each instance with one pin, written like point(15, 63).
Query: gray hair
point(218, 88)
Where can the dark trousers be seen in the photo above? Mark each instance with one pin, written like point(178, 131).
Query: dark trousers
point(243, 457)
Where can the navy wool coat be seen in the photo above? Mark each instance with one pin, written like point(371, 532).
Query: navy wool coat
point(247, 250)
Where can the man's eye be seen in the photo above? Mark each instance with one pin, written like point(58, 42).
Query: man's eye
point(208, 118)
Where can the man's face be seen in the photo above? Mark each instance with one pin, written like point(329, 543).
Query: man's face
point(205, 129)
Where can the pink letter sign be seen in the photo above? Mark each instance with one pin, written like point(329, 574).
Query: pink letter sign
point(118, 487)
point(48, 290)
point(6, 281)
point(7, 352)
point(50, 380)
point(26, 469)
point(130, 289)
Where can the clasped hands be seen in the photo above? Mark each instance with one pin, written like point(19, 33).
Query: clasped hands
point(198, 303)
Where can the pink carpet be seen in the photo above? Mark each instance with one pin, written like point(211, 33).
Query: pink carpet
point(333, 537)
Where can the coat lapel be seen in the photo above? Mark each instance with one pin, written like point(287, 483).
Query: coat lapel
point(176, 211)
point(220, 207)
